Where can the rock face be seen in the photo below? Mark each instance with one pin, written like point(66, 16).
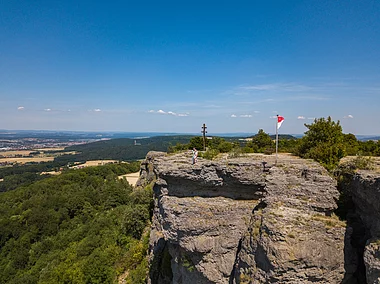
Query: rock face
point(364, 223)
point(234, 221)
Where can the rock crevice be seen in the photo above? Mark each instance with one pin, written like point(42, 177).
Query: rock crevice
point(361, 192)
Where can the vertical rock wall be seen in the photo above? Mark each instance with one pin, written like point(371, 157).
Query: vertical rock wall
point(232, 221)
point(363, 188)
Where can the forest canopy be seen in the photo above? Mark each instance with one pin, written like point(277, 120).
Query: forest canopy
point(83, 226)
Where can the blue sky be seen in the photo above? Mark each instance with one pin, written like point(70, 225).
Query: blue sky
point(170, 66)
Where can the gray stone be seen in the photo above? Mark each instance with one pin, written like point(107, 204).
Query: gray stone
point(364, 188)
point(229, 221)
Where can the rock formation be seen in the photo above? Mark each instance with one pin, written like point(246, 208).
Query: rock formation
point(363, 218)
point(236, 221)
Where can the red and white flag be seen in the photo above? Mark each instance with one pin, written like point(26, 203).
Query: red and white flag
point(280, 120)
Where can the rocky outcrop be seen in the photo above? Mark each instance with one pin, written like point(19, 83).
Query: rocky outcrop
point(363, 189)
point(234, 221)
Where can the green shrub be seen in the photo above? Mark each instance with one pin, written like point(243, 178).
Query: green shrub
point(225, 147)
point(235, 152)
point(210, 154)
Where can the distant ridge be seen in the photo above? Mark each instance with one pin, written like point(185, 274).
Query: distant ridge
point(68, 134)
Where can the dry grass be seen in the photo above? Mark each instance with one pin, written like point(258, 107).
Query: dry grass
point(54, 173)
point(94, 163)
point(14, 153)
point(25, 153)
point(50, 149)
point(131, 178)
point(26, 160)
point(375, 161)
point(330, 222)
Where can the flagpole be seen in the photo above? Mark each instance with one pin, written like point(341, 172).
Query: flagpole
point(276, 139)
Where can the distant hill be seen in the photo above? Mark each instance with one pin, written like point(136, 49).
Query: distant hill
point(367, 138)
point(283, 136)
point(125, 149)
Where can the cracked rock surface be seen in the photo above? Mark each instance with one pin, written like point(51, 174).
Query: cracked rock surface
point(232, 221)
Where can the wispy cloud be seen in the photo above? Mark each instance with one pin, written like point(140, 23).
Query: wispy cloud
point(289, 87)
point(276, 92)
point(311, 118)
point(160, 111)
point(242, 115)
point(301, 117)
point(20, 108)
point(348, 116)
point(47, 109)
point(97, 110)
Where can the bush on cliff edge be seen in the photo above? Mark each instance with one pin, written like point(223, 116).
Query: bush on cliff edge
point(323, 142)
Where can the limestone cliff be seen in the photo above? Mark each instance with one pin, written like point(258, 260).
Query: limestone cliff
point(362, 190)
point(235, 221)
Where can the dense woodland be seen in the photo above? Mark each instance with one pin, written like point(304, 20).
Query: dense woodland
point(83, 226)
point(123, 149)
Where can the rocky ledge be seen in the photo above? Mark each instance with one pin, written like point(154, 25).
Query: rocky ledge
point(235, 220)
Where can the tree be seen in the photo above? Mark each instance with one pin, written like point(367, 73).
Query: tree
point(263, 141)
point(225, 147)
point(196, 142)
point(352, 144)
point(215, 142)
point(323, 142)
point(368, 148)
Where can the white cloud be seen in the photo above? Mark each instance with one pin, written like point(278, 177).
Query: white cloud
point(256, 111)
point(47, 109)
point(246, 115)
point(273, 116)
point(169, 113)
point(97, 110)
point(233, 115)
point(301, 117)
point(311, 118)
point(349, 116)
point(20, 108)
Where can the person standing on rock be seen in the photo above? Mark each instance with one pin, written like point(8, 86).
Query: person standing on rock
point(195, 156)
